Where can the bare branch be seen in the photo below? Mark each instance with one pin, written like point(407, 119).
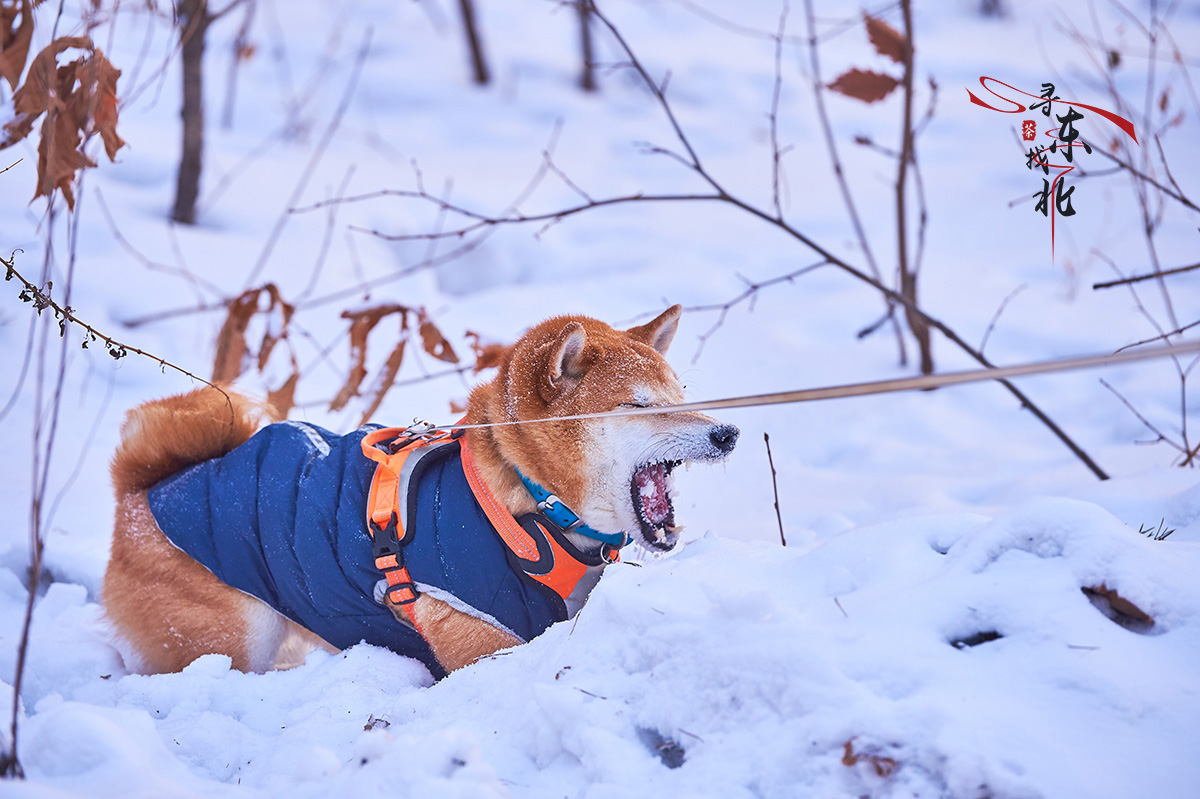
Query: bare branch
point(153, 266)
point(750, 292)
point(1177, 196)
point(1161, 337)
point(484, 223)
point(775, 488)
point(42, 300)
point(773, 116)
point(1149, 276)
point(1142, 419)
point(818, 88)
point(313, 161)
point(996, 316)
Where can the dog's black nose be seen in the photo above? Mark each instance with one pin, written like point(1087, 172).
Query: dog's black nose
point(724, 437)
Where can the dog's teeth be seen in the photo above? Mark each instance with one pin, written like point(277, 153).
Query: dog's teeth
point(660, 535)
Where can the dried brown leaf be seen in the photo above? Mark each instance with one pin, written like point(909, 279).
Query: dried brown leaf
point(1164, 100)
point(886, 40)
point(44, 87)
point(230, 360)
point(98, 78)
point(1120, 604)
point(78, 99)
point(15, 42)
point(487, 356)
point(59, 157)
point(279, 317)
point(434, 342)
point(384, 383)
point(864, 85)
point(457, 407)
point(882, 766)
point(283, 398)
point(361, 324)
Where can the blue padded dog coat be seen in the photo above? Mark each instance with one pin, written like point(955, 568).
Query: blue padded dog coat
point(282, 518)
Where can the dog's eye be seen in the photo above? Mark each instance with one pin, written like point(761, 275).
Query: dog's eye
point(632, 405)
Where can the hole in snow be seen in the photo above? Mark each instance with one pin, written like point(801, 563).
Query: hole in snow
point(966, 642)
point(666, 750)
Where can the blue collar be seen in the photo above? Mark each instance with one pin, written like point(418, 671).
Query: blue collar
point(557, 511)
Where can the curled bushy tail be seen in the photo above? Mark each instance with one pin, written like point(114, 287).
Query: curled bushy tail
point(165, 436)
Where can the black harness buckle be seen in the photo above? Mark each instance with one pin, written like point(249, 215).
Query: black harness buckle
point(384, 540)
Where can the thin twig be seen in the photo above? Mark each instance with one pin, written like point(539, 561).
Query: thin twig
point(42, 300)
point(1148, 276)
point(209, 200)
point(326, 240)
point(908, 275)
point(919, 181)
point(996, 316)
point(1161, 337)
point(239, 53)
point(841, 27)
point(773, 116)
point(1143, 419)
point(749, 293)
point(818, 88)
point(313, 161)
point(775, 488)
point(154, 266)
point(1177, 196)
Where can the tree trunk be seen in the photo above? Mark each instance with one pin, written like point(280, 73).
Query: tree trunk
point(194, 20)
point(478, 65)
point(587, 78)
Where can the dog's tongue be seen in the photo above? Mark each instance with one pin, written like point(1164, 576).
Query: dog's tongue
point(651, 482)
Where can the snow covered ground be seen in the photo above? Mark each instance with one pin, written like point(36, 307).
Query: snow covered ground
point(926, 632)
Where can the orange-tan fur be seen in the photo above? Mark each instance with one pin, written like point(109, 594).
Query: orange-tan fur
point(169, 610)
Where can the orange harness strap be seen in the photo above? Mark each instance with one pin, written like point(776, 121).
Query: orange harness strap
point(519, 541)
point(385, 518)
point(565, 571)
point(385, 522)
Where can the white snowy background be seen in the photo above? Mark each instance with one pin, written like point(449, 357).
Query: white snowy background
point(734, 667)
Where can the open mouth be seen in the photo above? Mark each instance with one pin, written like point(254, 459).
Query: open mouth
point(651, 492)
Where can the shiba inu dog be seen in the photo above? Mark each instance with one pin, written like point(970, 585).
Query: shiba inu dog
point(261, 544)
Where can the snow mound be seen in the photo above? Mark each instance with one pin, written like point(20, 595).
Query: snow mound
point(1049, 652)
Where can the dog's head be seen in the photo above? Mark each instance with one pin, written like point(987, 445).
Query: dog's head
point(614, 472)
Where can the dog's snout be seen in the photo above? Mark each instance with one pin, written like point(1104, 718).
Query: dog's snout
point(724, 437)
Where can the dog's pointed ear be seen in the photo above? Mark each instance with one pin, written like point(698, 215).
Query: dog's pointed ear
point(566, 360)
point(659, 332)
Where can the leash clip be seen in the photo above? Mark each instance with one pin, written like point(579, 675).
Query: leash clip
point(419, 428)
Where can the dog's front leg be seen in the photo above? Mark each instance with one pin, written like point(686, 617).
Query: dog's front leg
point(458, 639)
